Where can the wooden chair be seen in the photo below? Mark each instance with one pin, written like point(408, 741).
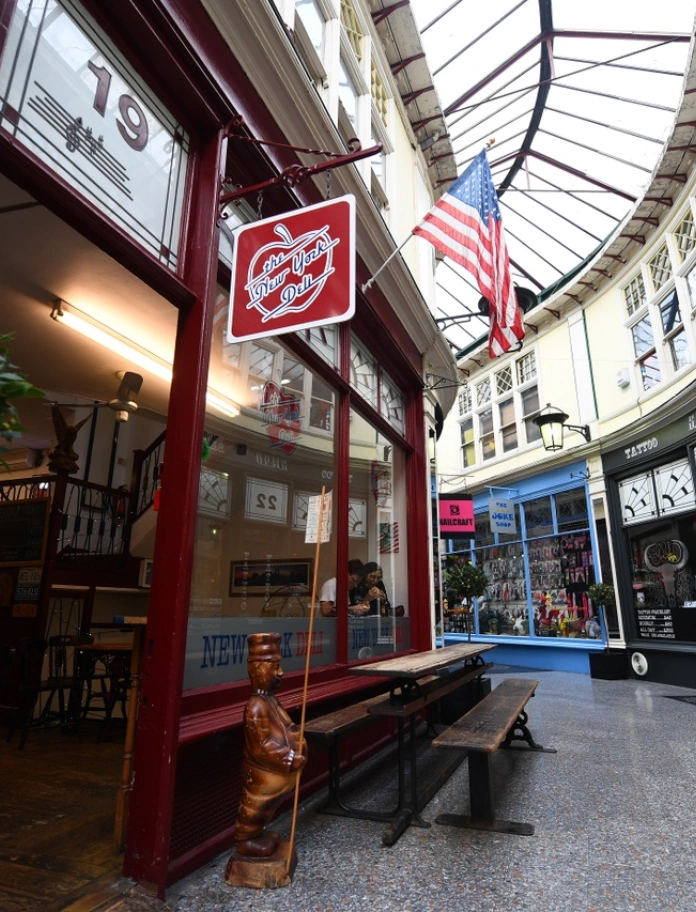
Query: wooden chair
point(64, 675)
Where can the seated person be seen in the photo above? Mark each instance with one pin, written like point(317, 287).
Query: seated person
point(327, 597)
point(370, 597)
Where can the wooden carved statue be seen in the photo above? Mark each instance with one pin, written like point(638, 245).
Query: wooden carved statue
point(271, 760)
point(63, 457)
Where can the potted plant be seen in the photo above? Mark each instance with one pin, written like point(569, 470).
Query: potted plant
point(464, 582)
point(13, 385)
point(602, 594)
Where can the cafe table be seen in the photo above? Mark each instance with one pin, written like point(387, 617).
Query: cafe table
point(417, 680)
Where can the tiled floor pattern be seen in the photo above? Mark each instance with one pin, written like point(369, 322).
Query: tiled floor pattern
point(613, 812)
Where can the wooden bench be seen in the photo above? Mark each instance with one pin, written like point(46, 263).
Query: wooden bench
point(332, 727)
point(497, 721)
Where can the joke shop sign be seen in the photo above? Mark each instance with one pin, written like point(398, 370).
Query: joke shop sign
point(67, 95)
point(293, 271)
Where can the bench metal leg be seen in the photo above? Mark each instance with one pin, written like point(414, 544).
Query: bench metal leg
point(520, 732)
point(482, 803)
point(398, 816)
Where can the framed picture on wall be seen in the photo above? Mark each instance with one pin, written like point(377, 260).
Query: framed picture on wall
point(259, 576)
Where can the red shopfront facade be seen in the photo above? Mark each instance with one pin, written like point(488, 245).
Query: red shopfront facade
point(230, 554)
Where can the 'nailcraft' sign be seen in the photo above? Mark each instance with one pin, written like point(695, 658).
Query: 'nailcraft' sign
point(456, 517)
point(293, 271)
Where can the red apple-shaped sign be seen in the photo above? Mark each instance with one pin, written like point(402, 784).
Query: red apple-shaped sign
point(293, 271)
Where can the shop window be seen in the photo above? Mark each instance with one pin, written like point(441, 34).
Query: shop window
point(663, 579)
point(673, 329)
point(467, 443)
point(324, 341)
point(538, 517)
point(252, 568)
point(646, 356)
point(685, 235)
point(634, 294)
point(538, 583)
point(660, 268)
point(503, 608)
point(487, 437)
point(363, 374)
point(391, 403)
point(571, 510)
point(377, 536)
point(657, 492)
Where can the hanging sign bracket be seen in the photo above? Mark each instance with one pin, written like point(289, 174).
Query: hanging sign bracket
point(293, 174)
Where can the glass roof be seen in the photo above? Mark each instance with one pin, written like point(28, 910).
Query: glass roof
point(579, 98)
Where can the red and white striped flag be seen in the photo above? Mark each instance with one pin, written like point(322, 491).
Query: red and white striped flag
point(466, 226)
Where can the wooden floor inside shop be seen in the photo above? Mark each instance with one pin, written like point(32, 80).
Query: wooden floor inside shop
point(57, 806)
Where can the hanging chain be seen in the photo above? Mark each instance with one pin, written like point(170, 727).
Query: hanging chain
point(259, 205)
point(328, 184)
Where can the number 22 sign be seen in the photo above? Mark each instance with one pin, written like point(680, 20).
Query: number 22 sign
point(266, 501)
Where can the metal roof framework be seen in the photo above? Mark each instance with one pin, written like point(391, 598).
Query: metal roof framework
point(581, 100)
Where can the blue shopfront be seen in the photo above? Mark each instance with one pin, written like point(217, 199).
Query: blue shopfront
point(536, 543)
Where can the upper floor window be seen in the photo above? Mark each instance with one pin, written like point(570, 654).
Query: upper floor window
point(685, 235)
point(348, 94)
point(660, 268)
point(646, 353)
point(673, 330)
point(634, 294)
point(379, 93)
point(483, 391)
point(464, 400)
point(351, 23)
point(314, 22)
point(507, 402)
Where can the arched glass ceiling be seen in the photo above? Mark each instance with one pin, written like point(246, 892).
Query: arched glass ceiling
point(580, 98)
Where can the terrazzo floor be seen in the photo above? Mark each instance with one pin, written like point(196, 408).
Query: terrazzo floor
point(613, 812)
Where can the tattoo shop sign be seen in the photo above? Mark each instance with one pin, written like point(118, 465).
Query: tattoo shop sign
point(293, 271)
point(68, 96)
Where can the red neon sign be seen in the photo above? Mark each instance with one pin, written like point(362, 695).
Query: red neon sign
point(293, 271)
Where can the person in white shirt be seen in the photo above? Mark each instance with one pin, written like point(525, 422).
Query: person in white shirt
point(327, 597)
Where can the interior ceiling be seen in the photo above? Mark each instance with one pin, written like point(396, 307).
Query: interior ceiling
point(42, 259)
point(580, 99)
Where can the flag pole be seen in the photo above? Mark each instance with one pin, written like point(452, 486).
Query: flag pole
point(388, 260)
point(320, 522)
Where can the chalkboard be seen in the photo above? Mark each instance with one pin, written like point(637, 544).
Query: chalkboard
point(23, 531)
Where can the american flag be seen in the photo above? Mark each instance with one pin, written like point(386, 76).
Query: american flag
point(465, 225)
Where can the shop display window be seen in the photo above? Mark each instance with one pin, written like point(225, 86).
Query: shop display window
point(265, 461)
point(253, 565)
point(537, 584)
point(377, 537)
point(663, 579)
